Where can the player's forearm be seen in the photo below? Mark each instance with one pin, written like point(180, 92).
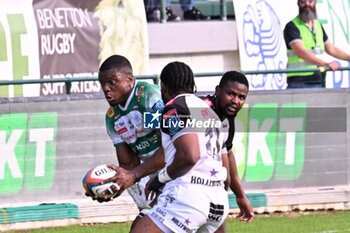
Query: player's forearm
point(235, 184)
point(150, 166)
point(236, 187)
point(225, 163)
point(128, 166)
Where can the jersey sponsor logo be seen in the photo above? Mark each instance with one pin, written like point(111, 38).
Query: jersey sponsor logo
point(122, 130)
point(159, 218)
point(136, 118)
point(154, 139)
point(169, 197)
point(209, 114)
point(208, 101)
point(161, 212)
point(156, 104)
point(139, 93)
point(110, 112)
point(182, 226)
point(216, 212)
point(130, 137)
point(169, 114)
point(173, 124)
point(203, 181)
point(142, 145)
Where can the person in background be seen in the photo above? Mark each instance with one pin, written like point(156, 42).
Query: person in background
point(306, 42)
point(190, 12)
point(230, 96)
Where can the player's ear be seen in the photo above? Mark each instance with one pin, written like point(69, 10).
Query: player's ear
point(130, 78)
point(163, 88)
point(217, 90)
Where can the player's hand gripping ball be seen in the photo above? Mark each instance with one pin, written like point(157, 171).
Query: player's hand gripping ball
point(93, 178)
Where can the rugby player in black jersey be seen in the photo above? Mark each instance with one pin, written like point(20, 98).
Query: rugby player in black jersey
point(229, 98)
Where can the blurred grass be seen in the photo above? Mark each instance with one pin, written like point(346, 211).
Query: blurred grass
point(290, 222)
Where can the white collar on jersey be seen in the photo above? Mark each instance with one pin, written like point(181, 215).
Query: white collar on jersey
point(129, 99)
point(184, 94)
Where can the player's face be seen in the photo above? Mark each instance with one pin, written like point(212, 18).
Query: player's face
point(116, 86)
point(231, 98)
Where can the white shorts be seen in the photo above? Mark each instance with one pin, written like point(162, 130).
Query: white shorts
point(190, 208)
point(137, 192)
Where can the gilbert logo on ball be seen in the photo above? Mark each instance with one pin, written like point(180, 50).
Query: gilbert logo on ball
point(93, 178)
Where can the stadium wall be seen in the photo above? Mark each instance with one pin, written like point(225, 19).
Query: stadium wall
point(184, 42)
point(292, 151)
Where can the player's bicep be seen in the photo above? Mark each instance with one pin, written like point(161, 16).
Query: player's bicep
point(187, 148)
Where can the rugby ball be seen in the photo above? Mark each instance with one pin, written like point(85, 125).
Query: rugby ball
point(93, 178)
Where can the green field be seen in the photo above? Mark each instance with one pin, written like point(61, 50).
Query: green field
point(298, 222)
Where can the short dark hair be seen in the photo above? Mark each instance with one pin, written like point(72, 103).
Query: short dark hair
point(234, 76)
point(177, 76)
point(119, 62)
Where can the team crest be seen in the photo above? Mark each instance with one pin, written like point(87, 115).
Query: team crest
point(110, 112)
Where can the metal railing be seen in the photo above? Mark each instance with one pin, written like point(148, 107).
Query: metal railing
point(155, 78)
point(223, 11)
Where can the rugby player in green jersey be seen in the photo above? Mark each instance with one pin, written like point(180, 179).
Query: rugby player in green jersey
point(138, 150)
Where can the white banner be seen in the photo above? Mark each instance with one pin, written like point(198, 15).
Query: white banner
point(260, 25)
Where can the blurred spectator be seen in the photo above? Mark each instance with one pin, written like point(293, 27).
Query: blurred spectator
point(306, 42)
point(187, 6)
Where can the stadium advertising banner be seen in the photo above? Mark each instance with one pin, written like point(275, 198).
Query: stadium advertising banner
point(43, 39)
point(282, 141)
point(260, 25)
